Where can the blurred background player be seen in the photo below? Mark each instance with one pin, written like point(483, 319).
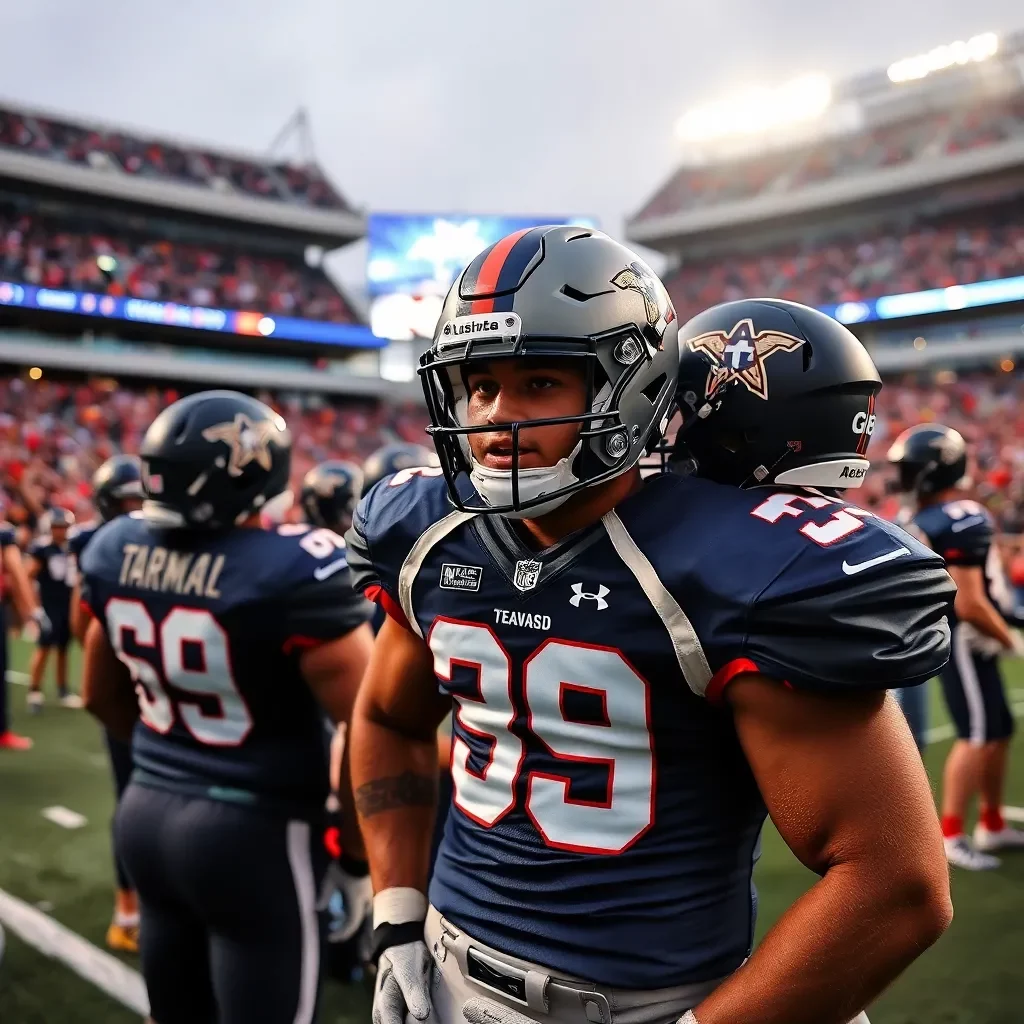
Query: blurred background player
point(932, 464)
point(116, 490)
point(237, 638)
point(15, 577)
point(49, 566)
point(330, 493)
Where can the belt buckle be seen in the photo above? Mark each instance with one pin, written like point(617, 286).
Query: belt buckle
point(500, 978)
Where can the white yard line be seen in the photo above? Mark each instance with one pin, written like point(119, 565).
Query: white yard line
point(101, 969)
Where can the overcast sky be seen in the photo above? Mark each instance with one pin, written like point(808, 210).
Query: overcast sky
point(517, 106)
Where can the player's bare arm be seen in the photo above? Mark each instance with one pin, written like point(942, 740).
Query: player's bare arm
point(21, 578)
point(107, 690)
point(846, 788)
point(973, 604)
point(333, 672)
point(394, 757)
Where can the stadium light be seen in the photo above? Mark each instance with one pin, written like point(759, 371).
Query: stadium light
point(757, 110)
point(975, 50)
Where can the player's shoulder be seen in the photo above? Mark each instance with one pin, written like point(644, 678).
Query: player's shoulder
point(38, 546)
point(389, 520)
point(293, 554)
point(80, 534)
point(810, 588)
point(105, 547)
point(8, 535)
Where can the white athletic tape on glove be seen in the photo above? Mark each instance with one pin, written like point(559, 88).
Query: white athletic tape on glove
point(403, 984)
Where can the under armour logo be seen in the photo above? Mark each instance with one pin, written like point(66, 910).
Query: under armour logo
point(580, 595)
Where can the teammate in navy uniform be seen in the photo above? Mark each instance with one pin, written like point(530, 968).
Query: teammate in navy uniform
point(116, 490)
point(330, 493)
point(234, 637)
point(932, 462)
point(14, 574)
point(49, 566)
point(641, 669)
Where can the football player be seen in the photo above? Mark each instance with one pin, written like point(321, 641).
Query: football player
point(641, 669)
point(116, 490)
point(233, 637)
point(48, 565)
point(13, 574)
point(330, 493)
point(932, 464)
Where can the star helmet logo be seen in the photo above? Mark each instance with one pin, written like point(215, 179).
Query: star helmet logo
point(740, 354)
point(249, 441)
point(950, 447)
point(658, 308)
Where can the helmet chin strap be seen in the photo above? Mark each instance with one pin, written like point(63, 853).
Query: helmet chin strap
point(495, 485)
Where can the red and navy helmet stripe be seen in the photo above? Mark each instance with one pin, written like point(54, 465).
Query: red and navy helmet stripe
point(489, 283)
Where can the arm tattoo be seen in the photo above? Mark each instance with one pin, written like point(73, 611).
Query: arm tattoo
point(405, 790)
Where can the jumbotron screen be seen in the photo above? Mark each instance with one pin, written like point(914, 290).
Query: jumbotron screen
point(412, 260)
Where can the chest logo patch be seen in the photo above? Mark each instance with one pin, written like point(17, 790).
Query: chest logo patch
point(527, 573)
point(579, 595)
point(460, 577)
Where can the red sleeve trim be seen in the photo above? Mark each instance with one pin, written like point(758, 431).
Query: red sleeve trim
point(304, 643)
point(725, 675)
point(85, 608)
point(378, 595)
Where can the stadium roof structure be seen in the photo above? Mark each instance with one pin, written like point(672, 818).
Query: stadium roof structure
point(884, 134)
point(90, 158)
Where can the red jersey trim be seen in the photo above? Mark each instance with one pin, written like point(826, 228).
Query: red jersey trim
point(378, 595)
point(725, 675)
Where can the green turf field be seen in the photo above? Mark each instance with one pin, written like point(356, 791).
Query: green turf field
point(975, 975)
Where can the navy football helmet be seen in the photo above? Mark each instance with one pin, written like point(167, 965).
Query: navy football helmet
point(930, 458)
point(58, 518)
point(553, 293)
point(213, 459)
point(330, 493)
point(773, 392)
point(395, 457)
point(116, 483)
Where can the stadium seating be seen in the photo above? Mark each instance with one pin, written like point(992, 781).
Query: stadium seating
point(39, 250)
point(109, 150)
point(54, 434)
point(979, 246)
point(929, 135)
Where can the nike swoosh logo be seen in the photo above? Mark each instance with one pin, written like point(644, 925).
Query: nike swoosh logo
point(887, 557)
point(329, 570)
point(963, 524)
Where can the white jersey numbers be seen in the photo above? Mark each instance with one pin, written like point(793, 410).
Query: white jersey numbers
point(619, 740)
point(212, 676)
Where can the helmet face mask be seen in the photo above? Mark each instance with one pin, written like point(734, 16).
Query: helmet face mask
point(585, 298)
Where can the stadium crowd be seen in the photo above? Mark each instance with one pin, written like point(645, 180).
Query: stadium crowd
point(946, 132)
point(147, 158)
point(42, 251)
point(55, 434)
point(982, 246)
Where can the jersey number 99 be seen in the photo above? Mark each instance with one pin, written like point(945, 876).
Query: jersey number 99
point(232, 722)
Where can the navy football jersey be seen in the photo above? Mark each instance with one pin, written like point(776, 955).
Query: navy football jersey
point(54, 577)
point(605, 822)
point(211, 626)
point(962, 531)
point(78, 537)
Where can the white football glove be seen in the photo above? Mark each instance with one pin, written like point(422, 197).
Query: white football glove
point(403, 983)
point(37, 626)
point(356, 894)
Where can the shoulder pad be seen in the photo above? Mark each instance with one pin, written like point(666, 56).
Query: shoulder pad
point(103, 554)
point(389, 520)
point(961, 531)
point(861, 605)
point(315, 585)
